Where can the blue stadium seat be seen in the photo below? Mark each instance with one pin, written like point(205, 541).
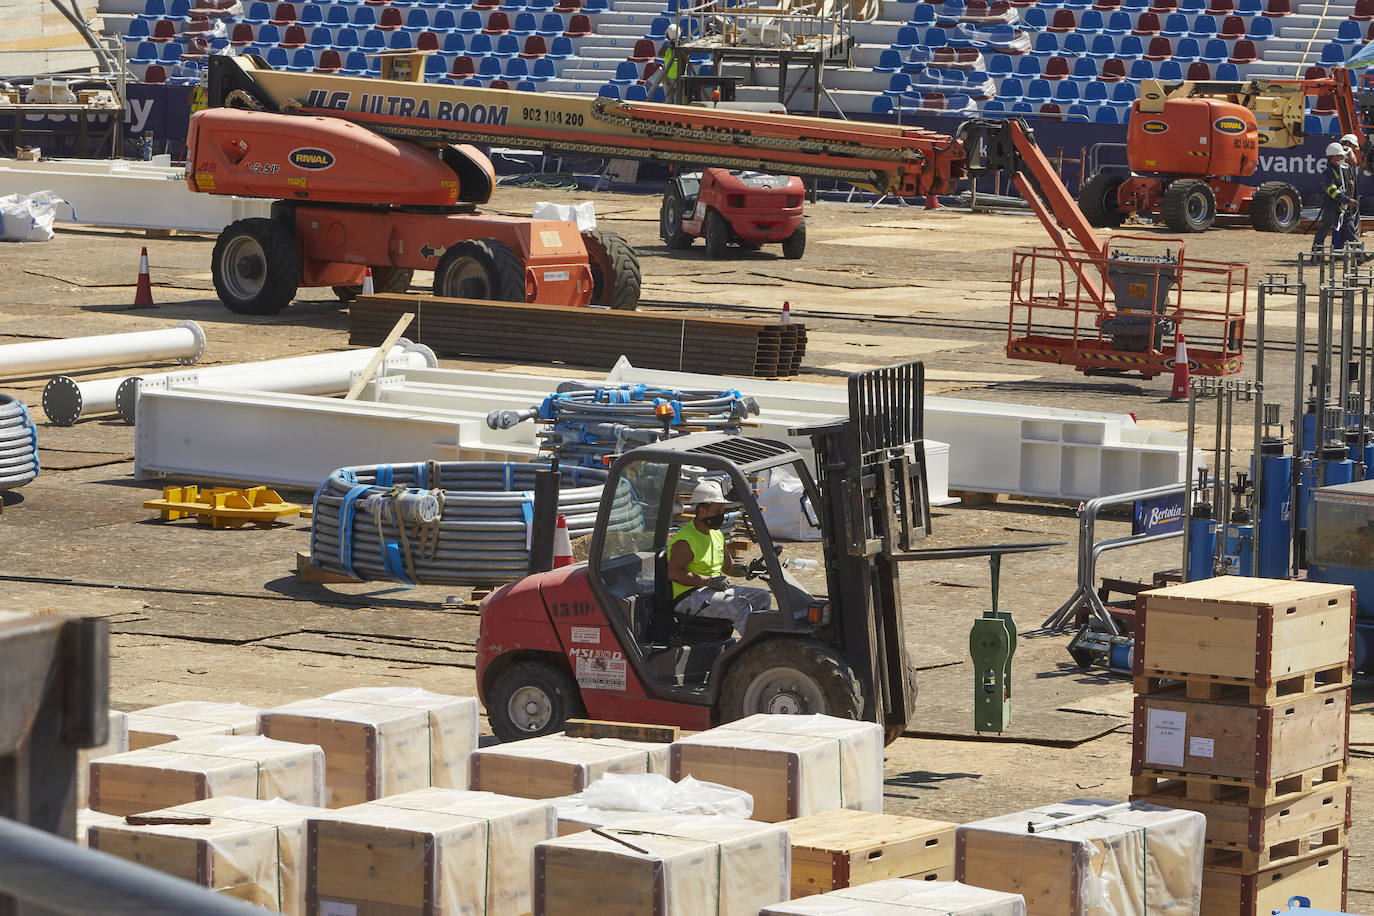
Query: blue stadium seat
point(277, 59)
point(1029, 65)
point(157, 9)
point(1037, 91)
point(269, 34)
point(320, 37)
point(561, 48)
point(401, 40)
point(311, 14)
point(1249, 7)
point(1023, 108)
point(1175, 26)
point(517, 68)
point(1067, 91)
point(1094, 91)
point(1187, 50)
point(923, 14)
point(1046, 43)
point(609, 91)
point(1312, 124)
point(364, 17)
point(1333, 54)
point(1118, 23)
point(543, 69)
point(527, 86)
point(374, 41)
point(1000, 65)
point(659, 95)
point(145, 52)
point(355, 64)
point(337, 16)
point(1124, 92)
point(1010, 88)
point(551, 25)
point(882, 105)
point(1129, 47)
point(470, 21)
point(994, 106)
point(625, 72)
point(1260, 28)
point(898, 84)
point(480, 44)
point(417, 19)
point(1204, 26)
point(1084, 68)
point(1103, 47)
point(507, 45)
point(950, 12)
point(636, 93)
point(489, 68)
point(436, 65)
point(257, 11)
point(1192, 6)
point(889, 61)
point(454, 43)
point(1227, 72)
point(1170, 71)
point(138, 29)
point(1090, 21)
point(1034, 18)
point(1074, 43)
point(1215, 51)
point(1135, 6)
point(525, 24)
point(1106, 114)
point(658, 29)
point(907, 37)
point(1078, 113)
point(1348, 32)
point(302, 60)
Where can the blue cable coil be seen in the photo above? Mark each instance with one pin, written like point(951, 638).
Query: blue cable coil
point(18, 444)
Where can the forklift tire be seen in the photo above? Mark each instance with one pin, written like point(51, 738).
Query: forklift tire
point(1098, 201)
point(532, 698)
point(1276, 207)
point(717, 235)
point(480, 270)
point(256, 266)
point(794, 676)
point(670, 215)
point(615, 270)
point(1188, 206)
point(384, 280)
point(794, 246)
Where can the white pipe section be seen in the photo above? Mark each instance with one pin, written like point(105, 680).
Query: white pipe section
point(65, 401)
point(185, 342)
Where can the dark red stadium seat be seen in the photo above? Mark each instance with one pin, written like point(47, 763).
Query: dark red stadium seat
point(1113, 70)
point(426, 41)
point(500, 84)
point(156, 73)
point(498, 23)
point(294, 37)
point(242, 35)
point(285, 14)
point(1199, 70)
point(568, 6)
point(462, 68)
point(934, 100)
point(163, 30)
point(1146, 24)
point(330, 61)
point(1220, 7)
point(1051, 111)
point(1232, 27)
point(1107, 6)
point(1056, 68)
point(1063, 21)
point(1243, 52)
point(644, 51)
point(1163, 6)
point(390, 20)
point(1276, 8)
point(1364, 11)
point(1160, 48)
point(535, 46)
point(579, 26)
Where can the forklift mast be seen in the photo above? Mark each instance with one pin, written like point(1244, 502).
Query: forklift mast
point(874, 507)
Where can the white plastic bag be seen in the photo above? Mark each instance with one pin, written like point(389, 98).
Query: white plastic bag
point(653, 792)
point(29, 217)
point(584, 214)
point(783, 511)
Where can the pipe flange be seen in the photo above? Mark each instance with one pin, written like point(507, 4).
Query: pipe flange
point(199, 336)
point(126, 398)
point(62, 401)
point(431, 359)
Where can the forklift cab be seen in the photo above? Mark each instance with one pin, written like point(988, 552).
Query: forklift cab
point(628, 567)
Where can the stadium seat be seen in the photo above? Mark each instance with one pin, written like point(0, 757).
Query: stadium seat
point(1067, 91)
point(481, 44)
point(1204, 26)
point(1175, 26)
point(155, 73)
point(1160, 49)
point(1324, 103)
point(1124, 93)
point(636, 93)
point(268, 35)
point(524, 24)
point(1023, 108)
point(1364, 11)
point(935, 37)
point(1249, 7)
point(277, 59)
point(567, 6)
point(417, 19)
point(470, 22)
point(905, 39)
point(427, 41)
point(295, 37)
point(1063, 21)
point(1220, 7)
point(1056, 68)
point(321, 37)
point(889, 61)
point(1106, 114)
point(625, 72)
point(257, 13)
point(242, 34)
point(578, 26)
point(1191, 7)
point(1074, 43)
point(507, 46)
point(1051, 111)
point(1037, 90)
point(1085, 68)
point(336, 16)
point(400, 40)
point(454, 43)
point(374, 41)
point(1033, 18)
point(1199, 70)
point(1102, 47)
point(934, 101)
point(1170, 71)
point(1106, 6)
point(355, 64)
point(498, 23)
point(489, 68)
point(1046, 43)
point(543, 69)
point(1142, 69)
point(1028, 66)
point(923, 14)
point(1348, 32)
point(1000, 65)
point(285, 14)
point(517, 68)
point(1095, 91)
point(1276, 8)
point(1260, 28)
point(1163, 7)
point(898, 84)
point(1146, 24)
point(1226, 72)
point(331, 62)
point(1333, 54)
point(561, 48)
point(1316, 73)
point(1011, 88)
point(994, 107)
point(1078, 113)
point(1090, 21)
point(364, 17)
point(1135, 6)
point(535, 48)
point(1214, 51)
point(1113, 69)
point(1118, 23)
point(461, 68)
point(1129, 47)
point(552, 24)
point(163, 30)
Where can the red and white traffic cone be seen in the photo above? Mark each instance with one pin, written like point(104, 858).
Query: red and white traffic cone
point(933, 202)
point(786, 313)
point(368, 289)
point(143, 295)
point(1180, 389)
point(562, 544)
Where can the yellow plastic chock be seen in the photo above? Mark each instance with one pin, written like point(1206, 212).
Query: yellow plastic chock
point(223, 507)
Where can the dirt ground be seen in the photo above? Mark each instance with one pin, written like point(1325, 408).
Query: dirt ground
point(202, 614)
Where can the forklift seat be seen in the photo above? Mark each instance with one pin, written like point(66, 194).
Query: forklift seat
point(668, 626)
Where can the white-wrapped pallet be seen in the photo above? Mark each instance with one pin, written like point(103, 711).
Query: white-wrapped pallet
point(187, 719)
point(1089, 858)
point(792, 765)
point(116, 743)
point(381, 741)
point(430, 852)
point(556, 765)
point(905, 897)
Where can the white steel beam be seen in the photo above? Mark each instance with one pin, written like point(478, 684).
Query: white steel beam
point(184, 342)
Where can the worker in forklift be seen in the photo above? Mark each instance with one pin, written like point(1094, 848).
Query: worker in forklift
point(1352, 173)
point(1335, 199)
point(698, 562)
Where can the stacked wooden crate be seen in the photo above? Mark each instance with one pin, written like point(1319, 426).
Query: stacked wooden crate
point(844, 848)
point(1242, 713)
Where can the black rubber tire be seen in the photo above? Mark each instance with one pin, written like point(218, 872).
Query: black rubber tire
point(794, 246)
point(555, 683)
point(480, 270)
point(384, 280)
point(717, 232)
point(1276, 207)
point(1097, 199)
point(272, 256)
point(1188, 206)
point(835, 680)
point(615, 270)
point(670, 214)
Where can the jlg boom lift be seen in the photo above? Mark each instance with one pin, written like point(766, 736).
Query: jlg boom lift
point(376, 172)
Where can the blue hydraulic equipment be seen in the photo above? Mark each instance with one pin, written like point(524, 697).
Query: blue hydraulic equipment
point(1301, 906)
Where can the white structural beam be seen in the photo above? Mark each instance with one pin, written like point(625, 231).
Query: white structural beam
point(128, 193)
point(184, 342)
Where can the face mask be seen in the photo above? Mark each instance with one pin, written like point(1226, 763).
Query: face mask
point(716, 521)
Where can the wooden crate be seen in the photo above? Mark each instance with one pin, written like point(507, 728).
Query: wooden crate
point(210, 766)
point(86, 818)
point(1159, 782)
point(789, 764)
point(903, 897)
point(251, 850)
point(116, 743)
point(843, 848)
point(1142, 859)
point(1245, 631)
point(1320, 878)
point(161, 724)
point(1266, 829)
point(556, 765)
point(1257, 745)
point(426, 853)
point(664, 868)
point(381, 741)
point(1281, 690)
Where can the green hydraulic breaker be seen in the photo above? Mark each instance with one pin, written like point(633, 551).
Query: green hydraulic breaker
point(992, 643)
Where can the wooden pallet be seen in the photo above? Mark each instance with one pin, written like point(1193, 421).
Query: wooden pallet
point(1238, 861)
point(1244, 693)
point(1156, 781)
point(1237, 827)
point(582, 336)
point(1319, 878)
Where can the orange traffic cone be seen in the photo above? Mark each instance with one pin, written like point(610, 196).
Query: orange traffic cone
point(562, 544)
point(933, 202)
point(143, 295)
point(1180, 389)
point(367, 282)
point(786, 313)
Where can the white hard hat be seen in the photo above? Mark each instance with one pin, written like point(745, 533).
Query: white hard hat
point(708, 491)
point(1335, 149)
point(671, 32)
point(1351, 140)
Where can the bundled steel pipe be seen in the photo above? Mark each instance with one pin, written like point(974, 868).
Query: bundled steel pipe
point(18, 444)
point(447, 523)
point(65, 400)
point(184, 342)
point(589, 423)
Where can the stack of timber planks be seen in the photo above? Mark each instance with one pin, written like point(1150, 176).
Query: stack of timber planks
point(1242, 714)
point(583, 336)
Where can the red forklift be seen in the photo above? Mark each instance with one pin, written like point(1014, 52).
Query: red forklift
point(601, 638)
point(749, 208)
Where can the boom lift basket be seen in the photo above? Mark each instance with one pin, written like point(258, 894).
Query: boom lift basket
point(1119, 313)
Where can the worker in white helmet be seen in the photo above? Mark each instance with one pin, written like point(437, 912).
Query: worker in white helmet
point(1336, 199)
point(1352, 173)
point(698, 562)
point(668, 71)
